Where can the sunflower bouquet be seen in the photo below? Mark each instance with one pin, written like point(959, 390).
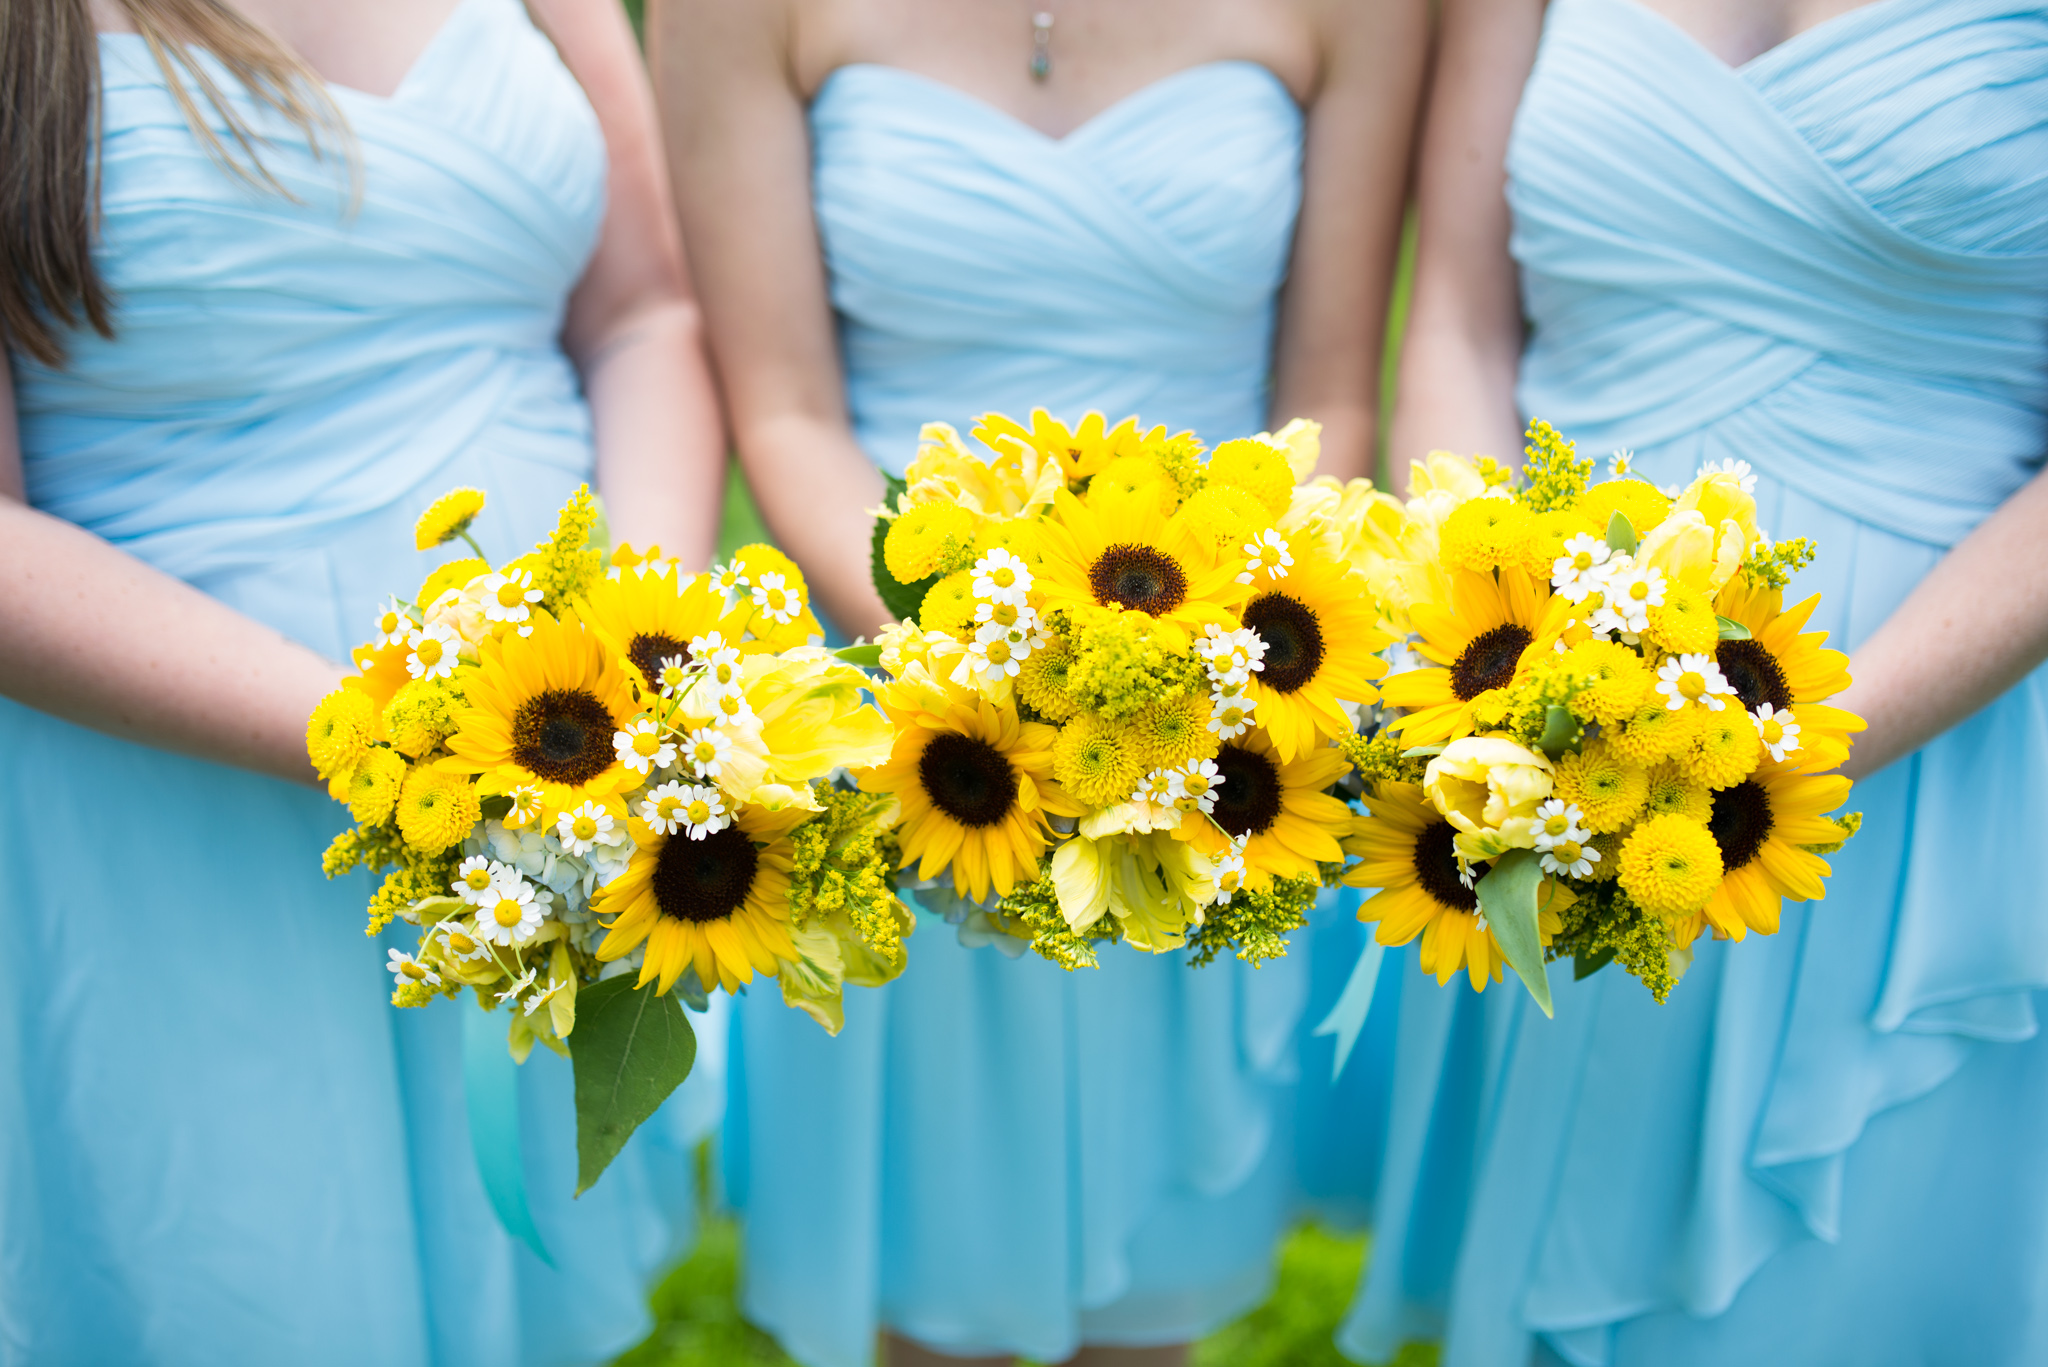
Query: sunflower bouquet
point(1614, 737)
point(600, 786)
point(1120, 670)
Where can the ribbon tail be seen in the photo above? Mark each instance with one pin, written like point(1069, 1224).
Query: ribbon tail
point(490, 1085)
point(1347, 1017)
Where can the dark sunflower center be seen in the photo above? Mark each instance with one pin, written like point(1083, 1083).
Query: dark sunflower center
point(1489, 662)
point(1754, 673)
point(705, 880)
point(1293, 637)
point(1741, 822)
point(967, 779)
point(1436, 868)
point(563, 736)
point(648, 651)
point(1249, 793)
point(1138, 577)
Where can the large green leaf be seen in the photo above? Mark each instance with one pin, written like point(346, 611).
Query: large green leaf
point(1507, 897)
point(631, 1048)
point(902, 600)
point(867, 657)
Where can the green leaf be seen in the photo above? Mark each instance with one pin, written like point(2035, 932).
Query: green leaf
point(868, 657)
point(1585, 966)
point(1507, 898)
point(1560, 729)
point(1423, 752)
point(631, 1049)
point(1620, 535)
point(1730, 630)
point(902, 600)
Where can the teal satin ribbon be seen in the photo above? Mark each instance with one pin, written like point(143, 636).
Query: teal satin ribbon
point(1347, 1017)
point(490, 1084)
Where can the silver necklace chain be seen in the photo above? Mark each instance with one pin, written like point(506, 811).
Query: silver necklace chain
point(1041, 45)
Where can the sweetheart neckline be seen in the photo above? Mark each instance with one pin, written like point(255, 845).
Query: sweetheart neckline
point(1775, 50)
point(1120, 105)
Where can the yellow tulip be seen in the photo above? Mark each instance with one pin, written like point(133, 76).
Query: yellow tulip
point(1489, 787)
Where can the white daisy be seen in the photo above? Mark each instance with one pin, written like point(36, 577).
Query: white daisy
point(721, 662)
point(405, 969)
point(703, 810)
point(1569, 859)
point(777, 600)
point(1002, 614)
point(1230, 873)
point(642, 748)
point(1580, 571)
point(474, 876)
point(1559, 822)
point(1622, 462)
point(1630, 591)
point(735, 710)
point(1696, 679)
point(662, 808)
point(1267, 554)
point(992, 655)
point(672, 675)
point(1230, 717)
point(1745, 477)
point(434, 652)
point(730, 580)
point(509, 597)
point(588, 826)
point(535, 1002)
point(1193, 785)
point(394, 624)
point(1231, 654)
point(1002, 577)
point(706, 749)
point(457, 941)
point(1776, 729)
point(511, 915)
point(1155, 788)
point(526, 805)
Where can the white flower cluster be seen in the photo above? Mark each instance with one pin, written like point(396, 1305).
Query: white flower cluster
point(1231, 657)
point(1006, 627)
point(771, 593)
point(1695, 679)
point(690, 757)
point(1621, 591)
point(1563, 841)
point(1188, 787)
point(1738, 470)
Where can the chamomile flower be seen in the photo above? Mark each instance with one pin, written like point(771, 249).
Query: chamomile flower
point(1002, 614)
point(1569, 858)
point(405, 969)
point(510, 597)
point(1232, 655)
point(1155, 789)
point(510, 914)
point(720, 660)
point(1266, 554)
point(1230, 872)
point(1559, 822)
point(703, 810)
point(1193, 785)
point(474, 876)
point(993, 655)
point(538, 999)
point(526, 805)
point(662, 808)
point(433, 651)
point(1777, 729)
point(1002, 577)
point(777, 600)
point(1738, 469)
point(730, 580)
point(394, 624)
point(672, 674)
point(587, 827)
point(459, 942)
point(642, 748)
point(1230, 716)
point(1622, 463)
point(1631, 590)
point(735, 710)
point(1693, 679)
point(706, 750)
point(1581, 571)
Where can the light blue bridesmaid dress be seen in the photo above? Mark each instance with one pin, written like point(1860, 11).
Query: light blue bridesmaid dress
point(997, 1156)
point(1831, 262)
point(218, 1143)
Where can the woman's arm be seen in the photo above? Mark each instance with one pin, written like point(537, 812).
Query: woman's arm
point(633, 328)
point(1974, 627)
point(1361, 123)
point(740, 152)
point(1464, 341)
point(94, 636)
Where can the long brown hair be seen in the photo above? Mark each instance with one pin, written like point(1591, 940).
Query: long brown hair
point(49, 123)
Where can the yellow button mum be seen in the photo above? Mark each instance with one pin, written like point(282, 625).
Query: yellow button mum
point(1670, 866)
point(447, 517)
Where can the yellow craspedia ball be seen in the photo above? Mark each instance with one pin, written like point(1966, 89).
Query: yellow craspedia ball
point(1670, 866)
point(1724, 750)
point(1637, 500)
point(1097, 761)
point(948, 605)
point(1621, 681)
point(1134, 477)
point(436, 809)
point(1484, 534)
point(339, 732)
point(1606, 787)
point(1684, 623)
point(1675, 793)
point(924, 538)
point(1170, 733)
point(453, 575)
point(1226, 514)
point(1042, 682)
point(1259, 468)
point(447, 517)
point(1654, 731)
point(373, 787)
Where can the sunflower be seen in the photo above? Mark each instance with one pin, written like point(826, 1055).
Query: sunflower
point(1409, 854)
point(647, 617)
point(1278, 808)
point(1320, 629)
point(975, 783)
point(1760, 825)
point(543, 710)
point(1079, 451)
point(1142, 561)
point(1487, 634)
point(1786, 668)
point(720, 904)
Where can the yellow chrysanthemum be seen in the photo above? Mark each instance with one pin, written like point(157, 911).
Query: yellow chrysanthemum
point(777, 610)
point(1622, 682)
point(1674, 793)
point(1486, 636)
point(1670, 866)
point(453, 575)
point(1017, 535)
point(1140, 561)
point(925, 537)
point(1486, 534)
point(340, 731)
point(648, 616)
point(1684, 623)
point(948, 605)
point(1322, 638)
point(1554, 527)
point(1637, 500)
point(1170, 733)
point(373, 787)
point(447, 517)
point(1279, 807)
point(1226, 515)
point(1724, 749)
point(1786, 668)
point(720, 904)
point(975, 784)
point(543, 710)
point(1260, 468)
point(1134, 477)
point(1654, 731)
point(436, 809)
point(1606, 787)
point(1042, 682)
point(1098, 761)
point(1760, 825)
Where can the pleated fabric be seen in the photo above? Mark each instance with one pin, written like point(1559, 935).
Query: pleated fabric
point(1832, 263)
point(219, 1144)
point(997, 1156)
